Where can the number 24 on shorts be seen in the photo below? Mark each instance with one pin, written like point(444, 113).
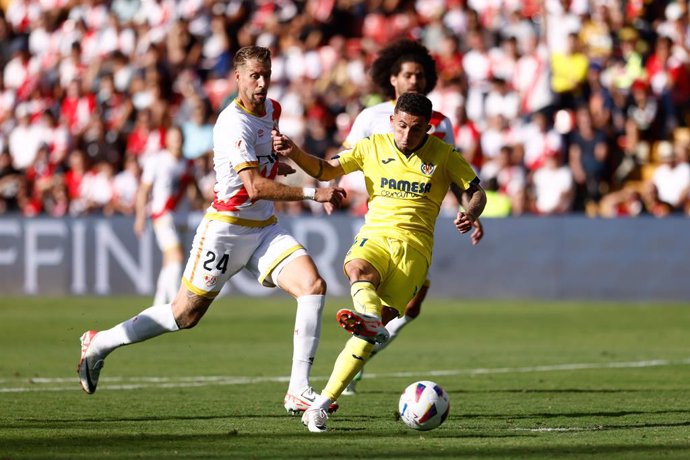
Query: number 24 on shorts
point(222, 264)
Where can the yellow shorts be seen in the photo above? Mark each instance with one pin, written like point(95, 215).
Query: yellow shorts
point(403, 268)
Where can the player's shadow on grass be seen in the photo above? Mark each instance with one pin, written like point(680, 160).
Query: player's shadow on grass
point(275, 445)
point(43, 423)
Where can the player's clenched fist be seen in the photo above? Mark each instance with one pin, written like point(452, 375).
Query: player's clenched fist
point(464, 222)
point(282, 144)
point(333, 195)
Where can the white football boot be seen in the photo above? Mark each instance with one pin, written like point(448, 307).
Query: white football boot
point(315, 419)
point(297, 403)
point(89, 368)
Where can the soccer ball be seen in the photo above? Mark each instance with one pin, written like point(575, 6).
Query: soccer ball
point(424, 405)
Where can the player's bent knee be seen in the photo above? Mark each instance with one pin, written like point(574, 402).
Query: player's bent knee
point(314, 286)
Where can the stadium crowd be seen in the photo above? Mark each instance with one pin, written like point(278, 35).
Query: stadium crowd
point(562, 106)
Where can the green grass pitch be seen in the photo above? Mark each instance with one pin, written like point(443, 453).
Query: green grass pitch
point(525, 379)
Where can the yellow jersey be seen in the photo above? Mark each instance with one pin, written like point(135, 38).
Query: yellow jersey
point(405, 192)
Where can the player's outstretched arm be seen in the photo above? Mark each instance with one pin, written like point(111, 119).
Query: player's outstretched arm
point(474, 201)
point(316, 167)
point(260, 188)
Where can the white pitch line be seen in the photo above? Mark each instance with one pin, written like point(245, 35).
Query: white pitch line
point(133, 383)
point(557, 429)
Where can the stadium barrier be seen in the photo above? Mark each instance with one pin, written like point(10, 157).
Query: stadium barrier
point(521, 258)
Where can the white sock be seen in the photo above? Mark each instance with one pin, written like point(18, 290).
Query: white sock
point(322, 402)
point(393, 327)
point(172, 280)
point(150, 323)
point(306, 339)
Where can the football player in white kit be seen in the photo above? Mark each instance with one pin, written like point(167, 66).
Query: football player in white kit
point(164, 184)
point(239, 230)
point(403, 66)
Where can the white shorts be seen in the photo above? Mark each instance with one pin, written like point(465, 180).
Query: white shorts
point(220, 250)
point(166, 232)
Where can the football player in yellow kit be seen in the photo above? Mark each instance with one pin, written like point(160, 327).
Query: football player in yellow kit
point(408, 173)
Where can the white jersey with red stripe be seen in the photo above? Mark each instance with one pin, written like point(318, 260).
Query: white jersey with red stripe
point(241, 140)
point(376, 120)
point(169, 177)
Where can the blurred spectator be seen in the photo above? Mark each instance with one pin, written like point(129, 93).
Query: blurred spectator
point(183, 48)
point(56, 136)
point(504, 59)
point(538, 139)
point(509, 177)
point(595, 34)
point(77, 169)
point(146, 137)
point(96, 190)
point(531, 78)
point(215, 53)
point(78, 107)
point(553, 188)
point(198, 133)
point(39, 177)
point(125, 185)
point(317, 140)
point(24, 140)
point(56, 203)
point(569, 72)
point(114, 107)
point(476, 64)
point(498, 204)
point(656, 206)
point(642, 127)
point(10, 183)
point(501, 100)
point(599, 100)
point(448, 58)
point(667, 70)
point(71, 67)
point(467, 138)
point(672, 177)
point(498, 134)
point(627, 67)
point(21, 71)
point(588, 156)
point(627, 202)
point(101, 145)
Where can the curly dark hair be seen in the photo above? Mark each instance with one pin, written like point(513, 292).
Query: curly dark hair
point(391, 59)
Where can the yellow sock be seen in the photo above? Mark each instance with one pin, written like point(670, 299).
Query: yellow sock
point(349, 362)
point(365, 298)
